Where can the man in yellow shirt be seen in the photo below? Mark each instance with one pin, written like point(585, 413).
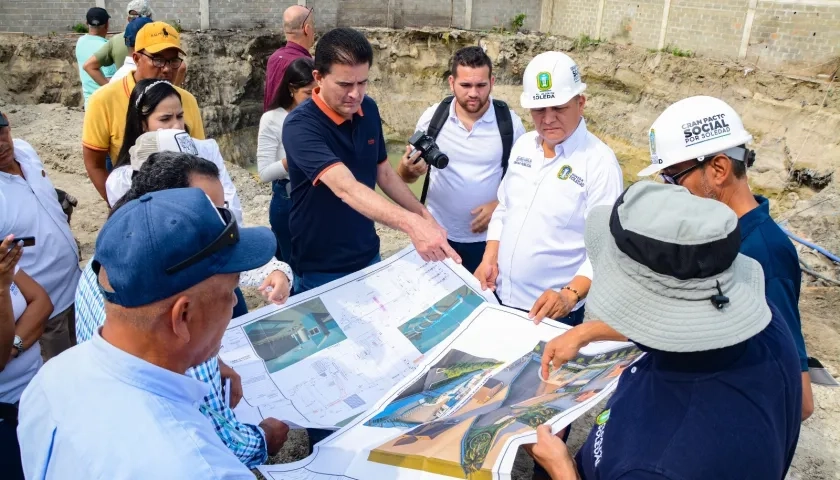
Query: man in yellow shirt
point(158, 55)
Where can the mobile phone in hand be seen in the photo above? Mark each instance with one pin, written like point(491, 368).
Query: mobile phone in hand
point(25, 241)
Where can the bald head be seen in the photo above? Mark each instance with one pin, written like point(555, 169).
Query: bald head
point(294, 18)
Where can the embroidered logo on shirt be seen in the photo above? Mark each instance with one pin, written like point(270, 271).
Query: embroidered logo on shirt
point(601, 422)
point(524, 161)
point(565, 173)
point(371, 141)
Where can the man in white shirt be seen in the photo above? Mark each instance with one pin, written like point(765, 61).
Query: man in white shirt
point(30, 207)
point(119, 405)
point(472, 131)
point(535, 258)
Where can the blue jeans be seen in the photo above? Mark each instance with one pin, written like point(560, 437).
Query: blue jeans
point(309, 280)
point(471, 253)
point(278, 217)
point(241, 307)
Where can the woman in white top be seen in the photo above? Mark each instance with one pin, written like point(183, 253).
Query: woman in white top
point(296, 87)
point(24, 310)
point(156, 105)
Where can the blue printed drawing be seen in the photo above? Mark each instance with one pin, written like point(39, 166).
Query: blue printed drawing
point(288, 336)
point(429, 328)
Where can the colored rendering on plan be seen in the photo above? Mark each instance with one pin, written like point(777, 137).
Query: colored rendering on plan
point(429, 328)
point(466, 441)
point(288, 336)
point(443, 387)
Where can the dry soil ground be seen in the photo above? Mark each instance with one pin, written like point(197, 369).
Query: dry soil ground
point(55, 130)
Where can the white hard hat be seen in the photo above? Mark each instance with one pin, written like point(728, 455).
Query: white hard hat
point(695, 128)
point(551, 79)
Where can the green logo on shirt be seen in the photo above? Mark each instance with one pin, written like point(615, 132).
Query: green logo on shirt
point(544, 81)
point(603, 417)
point(565, 172)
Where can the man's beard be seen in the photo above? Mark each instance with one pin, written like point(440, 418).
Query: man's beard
point(707, 189)
point(478, 106)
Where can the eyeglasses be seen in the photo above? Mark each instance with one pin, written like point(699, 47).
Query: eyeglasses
point(228, 238)
point(675, 178)
point(162, 62)
point(311, 9)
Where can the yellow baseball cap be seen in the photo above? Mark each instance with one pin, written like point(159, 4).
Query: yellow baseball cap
point(157, 37)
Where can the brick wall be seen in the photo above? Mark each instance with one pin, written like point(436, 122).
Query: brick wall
point(636, 22)
point(795, 33)
point(573, 18)
point(710, 28)
point(487, 14)
point(31, 16)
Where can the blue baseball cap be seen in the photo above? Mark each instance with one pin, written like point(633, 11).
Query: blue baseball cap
point(132, 28)
point(166, 242)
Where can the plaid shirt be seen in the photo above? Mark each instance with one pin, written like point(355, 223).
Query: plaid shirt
point(247, 442)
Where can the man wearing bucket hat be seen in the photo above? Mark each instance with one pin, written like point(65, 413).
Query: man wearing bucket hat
point(718, 394)
point(535, 258)
point(120, 405)
point(700, 143)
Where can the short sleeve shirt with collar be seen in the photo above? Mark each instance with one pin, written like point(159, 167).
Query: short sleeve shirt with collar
point(543, 206)
point(20, 370)
point(96, 411)
point(328, 236)
point(30, 208)
point(764, 241)
point(104, 124)
point(730, 414)
point(474, 172)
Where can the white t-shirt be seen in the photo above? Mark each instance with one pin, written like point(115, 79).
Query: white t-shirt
point(270, 151)
point(474, 172)
point(18, 372)
point(128, 67)
point(119, 180)
point(29, 207)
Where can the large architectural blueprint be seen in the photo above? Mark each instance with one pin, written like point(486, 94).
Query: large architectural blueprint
point(330, 354)
point(474, 399)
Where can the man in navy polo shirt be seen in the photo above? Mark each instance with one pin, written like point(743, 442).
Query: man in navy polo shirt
point(336, 153)
point(718, 394)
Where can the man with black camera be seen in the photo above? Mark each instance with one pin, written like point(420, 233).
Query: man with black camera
point(477, 133)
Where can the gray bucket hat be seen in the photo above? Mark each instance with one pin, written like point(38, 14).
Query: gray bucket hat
point(667, 272)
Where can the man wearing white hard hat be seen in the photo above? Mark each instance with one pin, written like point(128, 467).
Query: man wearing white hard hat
point(535, 258)
point(700, 143)
point(717, 395)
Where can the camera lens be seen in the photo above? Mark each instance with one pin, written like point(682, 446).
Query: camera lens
point(437, 159)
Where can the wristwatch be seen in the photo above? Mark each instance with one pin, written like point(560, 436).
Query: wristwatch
point(18, 344)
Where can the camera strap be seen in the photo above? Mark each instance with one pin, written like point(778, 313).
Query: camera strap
point(503, 120)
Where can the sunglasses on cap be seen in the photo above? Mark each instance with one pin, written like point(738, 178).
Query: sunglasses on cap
point(228, 238)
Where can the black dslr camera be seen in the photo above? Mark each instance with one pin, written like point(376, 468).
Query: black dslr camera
point(428, 149)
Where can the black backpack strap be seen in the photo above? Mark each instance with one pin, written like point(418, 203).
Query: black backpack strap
point(438, 119)
point(505, 123)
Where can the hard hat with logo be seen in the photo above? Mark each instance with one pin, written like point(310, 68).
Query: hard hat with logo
point(551, 79)
point(696, 128)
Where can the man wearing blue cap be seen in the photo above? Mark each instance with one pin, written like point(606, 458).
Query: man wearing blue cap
point(97, 22)
point(120, 405)
point(130, 36)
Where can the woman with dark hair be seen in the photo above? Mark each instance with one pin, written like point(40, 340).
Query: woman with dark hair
point(295, 88)
point(252, 444)
point(156, 105)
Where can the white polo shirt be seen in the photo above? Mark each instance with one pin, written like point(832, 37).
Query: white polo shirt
point(30, 207)
point(543, 205)
point(474, 172)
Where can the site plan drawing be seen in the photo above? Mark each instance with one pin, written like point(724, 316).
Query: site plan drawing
point(475, 398)
point(331, 353)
